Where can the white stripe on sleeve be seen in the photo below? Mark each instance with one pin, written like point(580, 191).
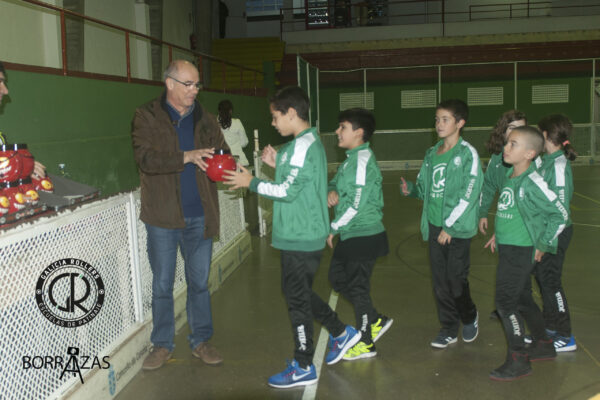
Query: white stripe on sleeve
point(361, 166)
point(345, 219)
point(560, 164)
point(301, 148)
point(539, 181)
point(457, 212)
point(475, 164)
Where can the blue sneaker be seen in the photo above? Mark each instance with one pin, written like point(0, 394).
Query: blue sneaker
point(564, 344)
point(294, 375)
point(338, 346)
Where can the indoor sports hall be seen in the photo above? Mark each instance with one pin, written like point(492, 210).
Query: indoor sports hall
point(74, 72)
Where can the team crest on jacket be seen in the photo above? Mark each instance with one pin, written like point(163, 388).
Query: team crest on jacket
point(521, 193)
point(457, 161)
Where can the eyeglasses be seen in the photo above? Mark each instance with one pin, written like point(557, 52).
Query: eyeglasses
point(188, 85)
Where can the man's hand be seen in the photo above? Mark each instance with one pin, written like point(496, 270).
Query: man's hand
point(491, 243)
point(483, 225)
point(404, 187)
point(444, 238)
point(197, 157)
point(538, 255)
point(237, 179)
point(332, 198)
point(268, 156)
point(39, 171)
point(330, 240)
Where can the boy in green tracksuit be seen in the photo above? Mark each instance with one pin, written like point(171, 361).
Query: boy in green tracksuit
point(300, 229)
point(529, 219)
point(449, 183)
point(355, 192)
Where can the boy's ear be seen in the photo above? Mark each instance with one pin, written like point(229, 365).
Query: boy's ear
point(530, 154)
point(461, 123)
point(291, 113)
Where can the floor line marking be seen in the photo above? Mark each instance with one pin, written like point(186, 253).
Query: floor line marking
point(592, 225)
point(310, 391)
point(587, 198)
point(588, 353)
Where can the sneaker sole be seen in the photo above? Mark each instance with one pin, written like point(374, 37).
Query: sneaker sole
point(498, 379)
point(442, 346)
point(474, 337)
point(363, 355)
point(565, 349)
point(349, 344)
point(383, 330)
point(300, 383)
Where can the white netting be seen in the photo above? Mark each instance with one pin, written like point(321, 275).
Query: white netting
point(104, 235)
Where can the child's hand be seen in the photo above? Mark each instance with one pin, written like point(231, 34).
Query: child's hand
point(237, 179)
point(483, 224)
point(332, 198)
point(538, 255)
point(444, 238)
point(404, 187)
point(330, 240)
point(491, 243)
point(268, 156)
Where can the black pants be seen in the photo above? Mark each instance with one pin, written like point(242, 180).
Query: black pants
point(548, 275)
point(449, 272)
point(513, 296)
point(298, 269)
point(352, 278)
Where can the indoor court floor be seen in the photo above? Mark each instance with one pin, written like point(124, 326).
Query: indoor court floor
point(253, 333)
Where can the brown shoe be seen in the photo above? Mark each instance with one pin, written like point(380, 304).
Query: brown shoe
point(156, 359)
point(207, 353)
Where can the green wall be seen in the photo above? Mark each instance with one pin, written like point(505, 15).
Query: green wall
point(389, 114)
point(86, 124)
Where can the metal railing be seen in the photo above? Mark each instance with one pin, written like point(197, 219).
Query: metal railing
point(199, 57)
point(435, 11)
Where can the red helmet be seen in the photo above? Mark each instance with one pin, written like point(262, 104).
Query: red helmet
point(221, 161)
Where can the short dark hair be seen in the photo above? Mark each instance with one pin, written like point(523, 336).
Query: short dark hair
point(291, 97)
point(457, 107)
point(535, 139)
point(2, 68)
point(359, 118)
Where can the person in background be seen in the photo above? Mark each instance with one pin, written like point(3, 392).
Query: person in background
point(556, 170)
point(233, 130)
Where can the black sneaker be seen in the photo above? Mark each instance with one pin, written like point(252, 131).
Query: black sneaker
point(442, 340)
point(541, 350)
point(516, 366)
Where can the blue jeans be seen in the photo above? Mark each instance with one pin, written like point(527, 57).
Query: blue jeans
point(162, 246)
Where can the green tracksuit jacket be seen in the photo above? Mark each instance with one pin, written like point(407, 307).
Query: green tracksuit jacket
point(493, 181)
point(543, 214)
point(461, 193)
point(556, 170)
point(358, 184)
point(300, 216)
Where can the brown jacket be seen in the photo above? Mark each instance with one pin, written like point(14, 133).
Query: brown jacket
point(160, 162)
